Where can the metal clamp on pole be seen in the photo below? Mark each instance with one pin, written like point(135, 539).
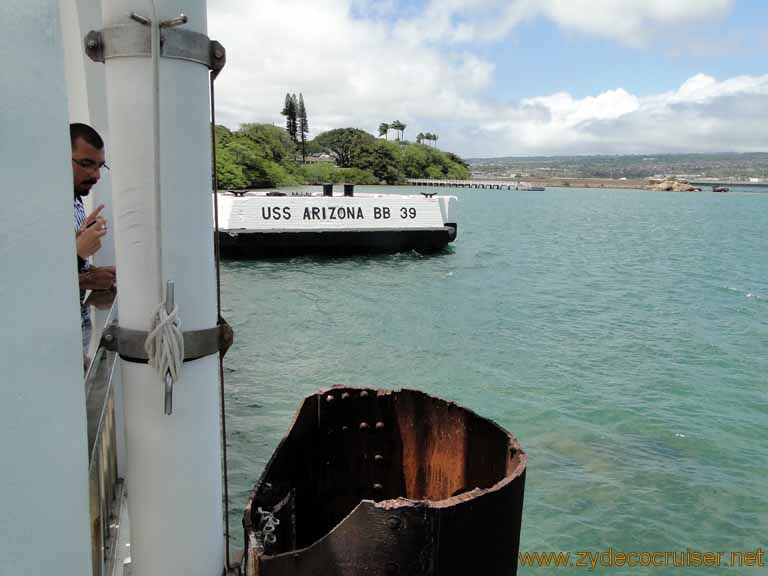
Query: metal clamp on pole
point(131, 40)
point(129, 344)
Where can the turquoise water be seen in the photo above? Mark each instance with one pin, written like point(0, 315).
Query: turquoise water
point(622, 336)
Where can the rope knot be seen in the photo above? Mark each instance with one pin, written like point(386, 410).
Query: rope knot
point(165, 342)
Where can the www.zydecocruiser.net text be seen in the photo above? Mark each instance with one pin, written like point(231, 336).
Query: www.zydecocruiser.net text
point(610, 558)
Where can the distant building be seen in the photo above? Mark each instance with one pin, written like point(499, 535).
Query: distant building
point(317, 158)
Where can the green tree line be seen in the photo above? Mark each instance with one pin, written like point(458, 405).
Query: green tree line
point(267, 156)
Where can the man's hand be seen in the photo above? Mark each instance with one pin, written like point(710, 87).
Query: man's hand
point(98, 278)
point(90, 233)
point(101, 299)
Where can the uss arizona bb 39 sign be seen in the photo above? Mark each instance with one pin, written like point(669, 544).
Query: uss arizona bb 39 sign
point(260, 224)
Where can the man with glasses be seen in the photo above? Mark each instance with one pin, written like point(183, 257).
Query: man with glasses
point(87, 163)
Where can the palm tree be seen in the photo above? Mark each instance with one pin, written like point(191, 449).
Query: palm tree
point(431, 137)
point(384, 130)
point(395, 125)
point(419, 137)
point(399, 126)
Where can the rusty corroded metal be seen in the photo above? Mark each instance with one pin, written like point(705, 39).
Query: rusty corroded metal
point(430, 489)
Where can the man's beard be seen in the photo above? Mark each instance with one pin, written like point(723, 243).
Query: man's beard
point(83, 192)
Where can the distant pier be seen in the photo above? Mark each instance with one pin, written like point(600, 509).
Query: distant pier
point(485, 184)
point(560, 182)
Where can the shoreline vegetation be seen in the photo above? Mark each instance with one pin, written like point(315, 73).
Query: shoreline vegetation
point(258, 156)
point(694, 167)
point(267, 156)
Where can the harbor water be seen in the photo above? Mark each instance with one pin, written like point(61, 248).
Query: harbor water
point(621, 335)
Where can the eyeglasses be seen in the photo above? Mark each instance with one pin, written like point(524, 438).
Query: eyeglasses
point(87, 164)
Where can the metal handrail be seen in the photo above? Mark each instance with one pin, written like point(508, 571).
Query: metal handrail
point(110, 318)
point(105, 487)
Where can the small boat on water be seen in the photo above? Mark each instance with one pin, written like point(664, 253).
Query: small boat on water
point(387, 482)
point(276, 223)
point(529, 187)
point(720, 189)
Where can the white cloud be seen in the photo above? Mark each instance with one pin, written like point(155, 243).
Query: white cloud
point(352, 71)
point(702, 115)
point(628, 21)
point(631, 21)
point(357, 65)
point(568, 112)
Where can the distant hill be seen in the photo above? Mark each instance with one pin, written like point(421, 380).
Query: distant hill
point(727, 166)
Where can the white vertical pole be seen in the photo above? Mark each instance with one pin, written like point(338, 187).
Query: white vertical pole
point(43, 446)
point(173, 472)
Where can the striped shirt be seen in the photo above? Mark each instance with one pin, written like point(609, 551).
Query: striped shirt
point(79, 212)
point(82, 265)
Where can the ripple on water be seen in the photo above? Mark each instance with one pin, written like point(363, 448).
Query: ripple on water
point(619, 335)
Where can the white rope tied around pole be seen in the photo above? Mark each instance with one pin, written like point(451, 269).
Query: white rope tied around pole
point(165, 342)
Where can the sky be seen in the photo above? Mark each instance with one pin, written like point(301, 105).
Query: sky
point(499, 78)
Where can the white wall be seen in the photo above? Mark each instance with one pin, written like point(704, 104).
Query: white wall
point(43, 460)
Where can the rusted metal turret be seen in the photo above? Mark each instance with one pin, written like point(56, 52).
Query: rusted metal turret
point(371, 482)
